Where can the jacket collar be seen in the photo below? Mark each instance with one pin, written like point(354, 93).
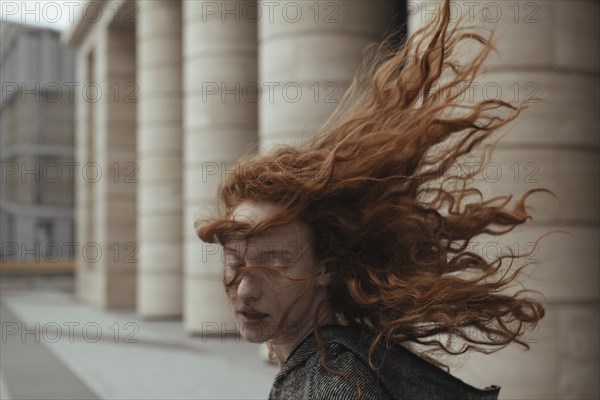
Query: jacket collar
point(303, 351)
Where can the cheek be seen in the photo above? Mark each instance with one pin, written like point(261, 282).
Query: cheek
point(291, 295)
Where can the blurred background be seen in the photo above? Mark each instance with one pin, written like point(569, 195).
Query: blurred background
point(120, 118)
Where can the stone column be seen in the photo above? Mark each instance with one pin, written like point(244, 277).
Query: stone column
point(546, 49)
point(220, 121)
point(84, 117)
point(309, 52)
point(160, 159)
point(114, 190)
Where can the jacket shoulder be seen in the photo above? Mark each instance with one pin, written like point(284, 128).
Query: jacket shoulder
point(404, 374)
point(346, 377)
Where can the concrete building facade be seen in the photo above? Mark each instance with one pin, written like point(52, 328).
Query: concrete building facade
point(36, 146)
point(211, 81)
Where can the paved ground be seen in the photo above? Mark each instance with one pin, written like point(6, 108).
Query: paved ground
point(54, 347)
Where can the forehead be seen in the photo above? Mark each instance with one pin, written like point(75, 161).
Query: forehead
point(295, 232)
point(253, 212)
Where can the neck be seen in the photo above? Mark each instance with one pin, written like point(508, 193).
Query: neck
point(282, 349)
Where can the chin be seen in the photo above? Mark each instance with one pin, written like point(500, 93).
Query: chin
point(254, 332)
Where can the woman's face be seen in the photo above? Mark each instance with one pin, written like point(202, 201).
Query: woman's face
point(261, 297)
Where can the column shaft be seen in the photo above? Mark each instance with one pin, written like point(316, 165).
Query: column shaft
point(114, 191)
point(309, 52)
point(160, 159)
point(220, 121)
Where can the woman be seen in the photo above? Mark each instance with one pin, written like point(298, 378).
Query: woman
point(349, 254)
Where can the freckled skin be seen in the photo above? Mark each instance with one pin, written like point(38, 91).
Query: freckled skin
point(288, 249)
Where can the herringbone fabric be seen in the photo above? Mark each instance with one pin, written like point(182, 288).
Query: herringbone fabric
point(404, 375)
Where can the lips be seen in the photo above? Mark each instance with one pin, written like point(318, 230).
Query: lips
point(252, 315)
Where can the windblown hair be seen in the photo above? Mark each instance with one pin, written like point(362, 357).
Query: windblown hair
point(390, 219)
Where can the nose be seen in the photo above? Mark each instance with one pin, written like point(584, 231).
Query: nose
point(248, 289)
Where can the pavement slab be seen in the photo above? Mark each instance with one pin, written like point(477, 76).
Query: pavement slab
point(54, 347)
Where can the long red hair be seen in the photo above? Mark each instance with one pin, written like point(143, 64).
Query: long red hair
point(390, 219)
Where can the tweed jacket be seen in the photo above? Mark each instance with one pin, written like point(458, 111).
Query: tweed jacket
point(404, 375)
